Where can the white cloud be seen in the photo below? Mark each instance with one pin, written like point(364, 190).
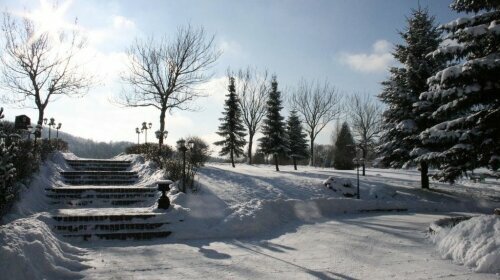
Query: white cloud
point(121, 22)
point(377, 61)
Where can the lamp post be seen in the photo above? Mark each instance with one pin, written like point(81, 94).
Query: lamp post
point(57, 130)
point(181, 146)
point(358, 161)
point(159, 135)
point(51, 124)
point(145, 127)
point(138, 133)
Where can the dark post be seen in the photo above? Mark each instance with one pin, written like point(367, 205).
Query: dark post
point(184, 169)
point(357, 167)
point(164, 201)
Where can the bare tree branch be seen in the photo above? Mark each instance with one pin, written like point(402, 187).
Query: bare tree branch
point(38, 66)
point(252, 88)
point(365, 116)
point(318, 103)
point(166, 74)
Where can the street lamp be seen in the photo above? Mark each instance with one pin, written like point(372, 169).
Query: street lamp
point(51, 124)
point(181, 146)
point(57, 130)
point(138, 133)
point(145, 127)
point(358, 161)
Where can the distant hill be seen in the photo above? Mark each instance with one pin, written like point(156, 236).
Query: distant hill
point(88, 148)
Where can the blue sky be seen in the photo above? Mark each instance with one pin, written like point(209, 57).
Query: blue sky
point(347, 42)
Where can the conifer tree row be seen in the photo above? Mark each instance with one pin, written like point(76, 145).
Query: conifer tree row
point(297, 139)
point(402, 124)
point(275, 140)
point(231, 128)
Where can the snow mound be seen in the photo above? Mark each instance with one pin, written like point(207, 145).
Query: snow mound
point(29, 250)
point(341, 185)
point(474, 243)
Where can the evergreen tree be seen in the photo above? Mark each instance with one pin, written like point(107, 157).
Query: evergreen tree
point(231, 128)
point(297, 138)
point(402, 124)
point(275, 140)
point(467, 116)
point(345, 149)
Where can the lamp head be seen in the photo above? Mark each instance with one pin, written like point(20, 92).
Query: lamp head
point(144, 126)
point(59, 125)
point(191, 144)
point(52, 121)
point(150, 125)
point(137, 130)
point(45, 120)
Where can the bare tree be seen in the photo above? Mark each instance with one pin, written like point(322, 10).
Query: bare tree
point(252, 90)
point(318, 103)
point(38, 65)
point(166, 74)
point(365, 116)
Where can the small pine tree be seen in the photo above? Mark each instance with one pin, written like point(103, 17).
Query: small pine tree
point(345, 149)
point(7, 169)
point(231, 128)
point(297, 138)
point(275, 140)
point(466, 94)
point(402, 124)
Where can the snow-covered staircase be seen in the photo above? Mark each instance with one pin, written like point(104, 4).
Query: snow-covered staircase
point(99, 199)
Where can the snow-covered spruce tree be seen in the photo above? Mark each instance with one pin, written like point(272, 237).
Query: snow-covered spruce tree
point(297, 139)
point(467, 94)
point(7, 169)
point(275, 140)
point(402, 123)
point(345, 149)
point(231, 128)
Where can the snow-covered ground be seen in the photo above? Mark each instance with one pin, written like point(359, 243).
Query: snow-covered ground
point(352, 246)
point(251, 221)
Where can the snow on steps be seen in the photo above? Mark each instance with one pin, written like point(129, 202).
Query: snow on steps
point(99, 177)
point(110, 223)
point(100, 195)
point(101, 184)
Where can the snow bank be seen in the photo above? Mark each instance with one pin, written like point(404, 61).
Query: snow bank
point(474, 243)
point(29, 250)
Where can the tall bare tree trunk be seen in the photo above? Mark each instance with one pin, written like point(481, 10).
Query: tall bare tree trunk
point(250, 143)
point(276, 162)
point(311, 150)
point(232, 159)
point(162, 127)
point(40, 115)
point(424, 174)
point(363, 150)
point(294, 163)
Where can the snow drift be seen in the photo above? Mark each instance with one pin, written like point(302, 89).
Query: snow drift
point(474, 243)
point(29, 250)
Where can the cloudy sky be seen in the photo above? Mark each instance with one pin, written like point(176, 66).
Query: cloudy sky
point(347, 42)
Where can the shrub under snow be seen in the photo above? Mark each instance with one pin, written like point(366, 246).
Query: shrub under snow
point(474, 243)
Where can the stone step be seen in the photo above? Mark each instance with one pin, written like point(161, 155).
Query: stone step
point(99, 190)
point(98, 203)
point(97, 161)
point(122, 235)
point(99, 165)
point(111, 224)
point(101, 196)
point(99, 177)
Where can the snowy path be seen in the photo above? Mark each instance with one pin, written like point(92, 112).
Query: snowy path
point(347, 247)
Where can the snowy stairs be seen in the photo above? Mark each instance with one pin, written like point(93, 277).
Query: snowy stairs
point(91, 188)
point(97, 196)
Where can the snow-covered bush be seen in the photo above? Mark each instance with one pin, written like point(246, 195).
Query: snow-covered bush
point(342, 185)
point(474, 243)
point(151, 152)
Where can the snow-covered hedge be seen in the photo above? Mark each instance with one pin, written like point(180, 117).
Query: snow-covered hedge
point(474, 243)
